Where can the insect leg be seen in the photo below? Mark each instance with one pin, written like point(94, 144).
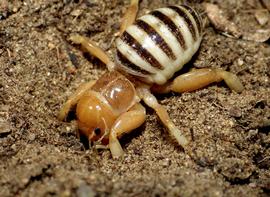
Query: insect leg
point(93, 49)
point(130, 16)
point(152, 102)
point(73, 99)
point(124, 124)
point(199, 78)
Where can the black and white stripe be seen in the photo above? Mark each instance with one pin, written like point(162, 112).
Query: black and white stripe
point(160, 43)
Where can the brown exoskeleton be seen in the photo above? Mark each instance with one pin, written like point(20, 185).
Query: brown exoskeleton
point(149, 51)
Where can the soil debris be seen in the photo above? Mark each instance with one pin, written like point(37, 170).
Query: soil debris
point(40, 156)
point(5, 127)
point(260, 35)
point(266, 4)
point(220, 22)
point(262, 16)
point(228, 28)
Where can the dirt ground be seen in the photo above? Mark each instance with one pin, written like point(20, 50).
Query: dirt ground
point(229, 151)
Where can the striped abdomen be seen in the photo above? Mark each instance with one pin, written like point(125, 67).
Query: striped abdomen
point(158, 44)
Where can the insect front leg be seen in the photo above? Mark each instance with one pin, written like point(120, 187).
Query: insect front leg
point(130, 16)
point(73, 99)
point(127, 122)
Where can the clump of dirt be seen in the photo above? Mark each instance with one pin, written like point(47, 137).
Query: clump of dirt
point(41, 156)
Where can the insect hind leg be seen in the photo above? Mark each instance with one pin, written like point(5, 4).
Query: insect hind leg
point(199, 78)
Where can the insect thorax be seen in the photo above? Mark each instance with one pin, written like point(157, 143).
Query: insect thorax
point(117, 90)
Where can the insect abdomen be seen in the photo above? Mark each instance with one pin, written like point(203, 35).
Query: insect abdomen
point(160, 43)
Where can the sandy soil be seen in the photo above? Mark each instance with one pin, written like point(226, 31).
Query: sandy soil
point(41, 156)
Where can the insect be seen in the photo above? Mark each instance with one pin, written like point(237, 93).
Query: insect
point(150, 50)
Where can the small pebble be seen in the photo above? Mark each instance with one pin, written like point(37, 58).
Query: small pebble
point(85, 191)
point(32, 137)
point(240, 62)
point(262, 16)
point(5, 127)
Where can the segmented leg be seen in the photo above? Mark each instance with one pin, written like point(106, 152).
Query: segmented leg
point(93, 49)
point(73, 99)
point(130, 16)
point(152, 102)
point(200, 78)
point(124, 124)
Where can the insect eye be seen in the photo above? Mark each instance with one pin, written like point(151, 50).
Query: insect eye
point(97, 131)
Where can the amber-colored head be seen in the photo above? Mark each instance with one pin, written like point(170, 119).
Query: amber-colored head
point(95, 117)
